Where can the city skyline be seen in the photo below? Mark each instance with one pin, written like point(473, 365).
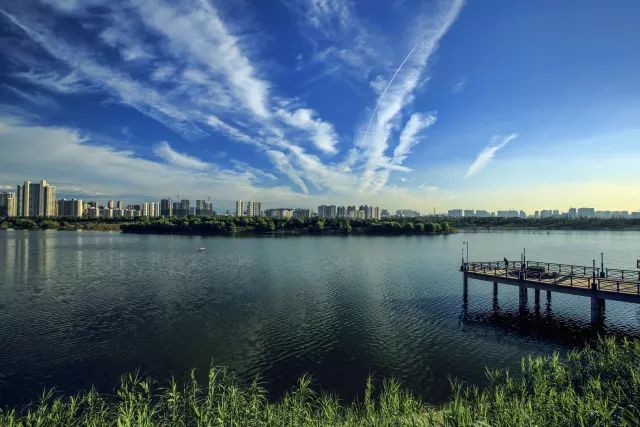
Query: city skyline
point(415, 105)
point(39, 199)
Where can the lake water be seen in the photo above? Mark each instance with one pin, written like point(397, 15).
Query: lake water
point(82, 308)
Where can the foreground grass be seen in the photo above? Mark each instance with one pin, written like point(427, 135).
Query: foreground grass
point(597, 386)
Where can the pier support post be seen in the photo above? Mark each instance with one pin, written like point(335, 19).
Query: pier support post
point(549, 297)
point(465, 294)
point(495, 289)
point(523, 297)
point(597, 310)
point(537, 299)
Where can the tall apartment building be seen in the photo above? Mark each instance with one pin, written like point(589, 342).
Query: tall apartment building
point(36, 199)
point(239, 208)
point(279, 213)
point(151, 209)
point(376, 213)
point(70, 208)
point(8, 204)
point(508, 214)
point(327, 211)
point(586, 213)
point(253, 208)
point(182, 208)
point(204, 208)
point(166, 207)
point(301, 213)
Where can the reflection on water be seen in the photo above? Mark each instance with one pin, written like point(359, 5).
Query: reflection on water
point(81, 308)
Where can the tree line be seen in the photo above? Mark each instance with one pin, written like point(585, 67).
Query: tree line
point(265, 225)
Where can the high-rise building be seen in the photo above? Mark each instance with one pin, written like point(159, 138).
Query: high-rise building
point(36, 199)
point(409, 213)
point(586, 213)
point(326, 211)
point(110, 204)
point(239, 208)
point(384, 213)
point(166, 207)
point(469, 213)
point(376, 213)
point(8, 204)
point(301, 213)
point(508, 214)
point(182, 208)
point(279, 213)
point(341, 212)
point(70, 208)
point(455, 213)
point(204, 208)
point(253, 208)
point(92, 212)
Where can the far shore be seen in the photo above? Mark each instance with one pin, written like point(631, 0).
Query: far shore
point(263, 226)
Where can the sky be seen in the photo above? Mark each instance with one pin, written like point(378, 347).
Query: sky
point(397, 103)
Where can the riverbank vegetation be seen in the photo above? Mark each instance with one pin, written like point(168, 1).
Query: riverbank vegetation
point(596, 386)
point(547, 223)
point(226, 224)
point(60, 224)
point(264, 225)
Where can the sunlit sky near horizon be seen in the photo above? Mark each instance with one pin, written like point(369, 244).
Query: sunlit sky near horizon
point(399, 103)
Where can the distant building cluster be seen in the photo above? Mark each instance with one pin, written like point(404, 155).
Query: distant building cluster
point(351, 212)
point(572, 213)
point(470, 213)
point(250, 208)
point(38, 199)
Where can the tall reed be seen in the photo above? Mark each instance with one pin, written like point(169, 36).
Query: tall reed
point(595, 386)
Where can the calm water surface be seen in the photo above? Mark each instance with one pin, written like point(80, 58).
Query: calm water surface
point(82, 308)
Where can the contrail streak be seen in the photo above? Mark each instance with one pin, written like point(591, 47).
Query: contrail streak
point(384, 92)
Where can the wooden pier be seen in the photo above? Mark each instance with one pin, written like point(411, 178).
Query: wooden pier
point(599, 284)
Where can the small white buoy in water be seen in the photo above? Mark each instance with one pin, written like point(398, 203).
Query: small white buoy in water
point(200, 249)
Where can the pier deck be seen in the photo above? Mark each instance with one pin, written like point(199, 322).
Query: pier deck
point(595, 283)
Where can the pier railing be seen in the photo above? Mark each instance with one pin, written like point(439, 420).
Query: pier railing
point(569, 275)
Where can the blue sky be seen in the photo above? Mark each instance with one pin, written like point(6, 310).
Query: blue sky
point(402, 104)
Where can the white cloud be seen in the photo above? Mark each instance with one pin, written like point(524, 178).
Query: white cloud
point(427, 187)
point(281, 161)
point(488, 153)
point(398, 93)
point(67, 83)
point(35, 98)
point(196, 28)
point(67, 156)
point(202, 81)
point(323, 134)
point(341, 42)
point(459, 85)
point(408, 138)
point(169, 155)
